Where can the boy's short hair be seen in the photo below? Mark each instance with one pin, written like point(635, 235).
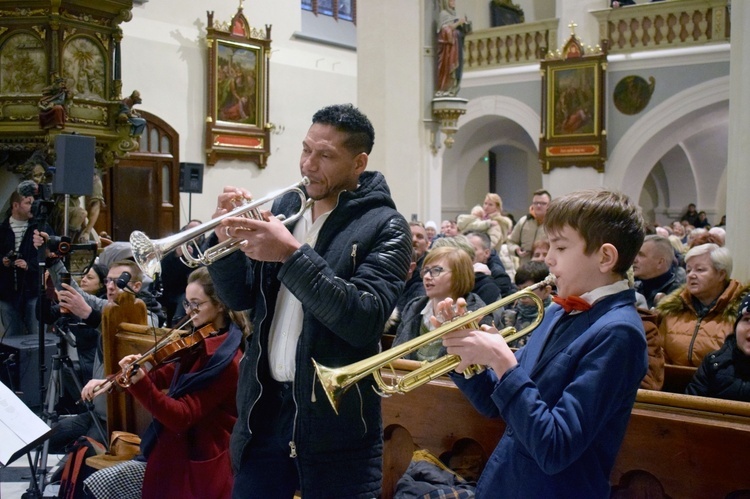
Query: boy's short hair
point(531, 271)
point(600, 217)
point(136, 275)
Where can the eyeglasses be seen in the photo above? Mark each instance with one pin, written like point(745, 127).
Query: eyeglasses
point(191, 306)
point(540, 203)
point(433, 271)
point(110, 280)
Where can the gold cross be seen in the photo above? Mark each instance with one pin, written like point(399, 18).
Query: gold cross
point(572, 27)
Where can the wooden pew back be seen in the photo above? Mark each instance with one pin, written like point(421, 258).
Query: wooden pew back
point(693, 446)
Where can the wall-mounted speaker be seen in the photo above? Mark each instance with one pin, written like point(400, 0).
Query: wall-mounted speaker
point(74, 165)
point(191, 177)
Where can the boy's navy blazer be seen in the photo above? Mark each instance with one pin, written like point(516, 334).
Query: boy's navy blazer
point(566, 405)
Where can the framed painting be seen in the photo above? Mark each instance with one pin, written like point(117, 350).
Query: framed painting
point(237, 124)
point(573, 131)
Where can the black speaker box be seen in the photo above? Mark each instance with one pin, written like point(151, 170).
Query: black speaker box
point(74, 165)
point(191, 177)
point(19, 365)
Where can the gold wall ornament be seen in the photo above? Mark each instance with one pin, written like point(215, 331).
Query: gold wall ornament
point(238, 90)
point(573, 84)
point(447, 111)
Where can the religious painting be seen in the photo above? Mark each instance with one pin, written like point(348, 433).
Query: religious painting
point(84, 66)
point(237, 125)
point(632, 94)
point(23, 63)
point(573, 108)
point(237, 69)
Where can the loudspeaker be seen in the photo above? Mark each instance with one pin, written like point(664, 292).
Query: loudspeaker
point(74, 165)
point(19, 365)
point(191, 177)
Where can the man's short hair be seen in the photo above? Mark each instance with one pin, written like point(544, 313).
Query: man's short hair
point(486, 241)
point(15, 197)
point(136, 275)
point(662, 245)
point(531, 271)
point(460, 241)
point(350, 120)
point(600, 217)
point(542, 192)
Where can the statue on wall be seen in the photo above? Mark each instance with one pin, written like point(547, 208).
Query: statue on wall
point(129, 115)
point(450, 41)
point(53, 106)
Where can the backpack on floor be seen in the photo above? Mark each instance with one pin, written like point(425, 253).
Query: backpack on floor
point(76, 470)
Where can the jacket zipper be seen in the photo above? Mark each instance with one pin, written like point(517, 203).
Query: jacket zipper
point(354, 257)
point(692, 341)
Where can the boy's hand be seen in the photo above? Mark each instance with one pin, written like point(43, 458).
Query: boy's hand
point(484, 347)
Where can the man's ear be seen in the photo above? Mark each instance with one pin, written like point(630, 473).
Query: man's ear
point(360, 162)
point(608, 256)
point(136, 286)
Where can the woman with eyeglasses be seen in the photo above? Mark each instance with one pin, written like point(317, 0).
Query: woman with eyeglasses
point(447, 272)
point(185, 450)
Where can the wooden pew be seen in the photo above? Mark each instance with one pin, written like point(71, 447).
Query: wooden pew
point(124, 332)
point(693, 446)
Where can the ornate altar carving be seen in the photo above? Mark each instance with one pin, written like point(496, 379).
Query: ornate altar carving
point(60, 73)
point(237, 124)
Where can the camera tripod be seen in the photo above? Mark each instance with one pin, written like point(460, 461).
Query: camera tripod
point(61, 362)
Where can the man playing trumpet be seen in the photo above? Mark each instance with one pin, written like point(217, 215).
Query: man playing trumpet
point(322, 288)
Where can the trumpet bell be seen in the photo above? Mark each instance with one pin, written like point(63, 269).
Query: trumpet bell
point(146, 253)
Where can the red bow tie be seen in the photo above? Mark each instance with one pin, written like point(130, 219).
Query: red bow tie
point(572, 303)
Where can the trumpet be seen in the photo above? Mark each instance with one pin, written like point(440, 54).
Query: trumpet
point(149, 253)
point(336, 381)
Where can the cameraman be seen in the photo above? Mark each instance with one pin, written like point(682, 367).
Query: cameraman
point(19, 273)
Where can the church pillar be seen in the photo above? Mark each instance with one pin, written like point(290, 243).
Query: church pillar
point(738, 174)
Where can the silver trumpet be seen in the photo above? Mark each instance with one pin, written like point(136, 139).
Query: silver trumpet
point(149, 253)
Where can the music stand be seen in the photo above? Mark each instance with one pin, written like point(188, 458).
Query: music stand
point(21, 431)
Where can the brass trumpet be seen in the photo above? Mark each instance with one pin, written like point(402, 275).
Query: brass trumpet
point(149, 253)
point(336, 381)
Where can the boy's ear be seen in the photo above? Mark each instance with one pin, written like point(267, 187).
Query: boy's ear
point(608, 257)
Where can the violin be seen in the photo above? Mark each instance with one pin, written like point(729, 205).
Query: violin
point(172, 347)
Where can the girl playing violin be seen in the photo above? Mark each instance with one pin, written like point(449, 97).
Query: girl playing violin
point(185, 449)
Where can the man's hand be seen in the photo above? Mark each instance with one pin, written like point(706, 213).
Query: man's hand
point(90, 390)
point(266, 240)
point(73, 301)
point(228, 200)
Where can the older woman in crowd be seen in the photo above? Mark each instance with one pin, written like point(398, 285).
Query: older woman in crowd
point(697, 318)
point(489, 219)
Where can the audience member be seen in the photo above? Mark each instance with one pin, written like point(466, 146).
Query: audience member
point(174, 276)
point(539, 250)
point(702, 222)
point(691, 215)
point(431, 229)
point(719, 234)
point(89, 309)
point(530, 227)
point(447, 272)
point(565, 397)
point(448, 228)
point(653, 269)
point(185, 450)
point(484, 285)
point(488, 218)
point(525, 311)
point(679, 230)
point(20, 281)
point(489, 257)
point(696, 319)
point(725, 373)
point(414, 288)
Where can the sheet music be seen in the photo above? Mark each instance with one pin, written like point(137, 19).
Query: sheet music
point(19, 426)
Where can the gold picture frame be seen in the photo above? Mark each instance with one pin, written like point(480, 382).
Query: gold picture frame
point(237, 125)
point(573, 132)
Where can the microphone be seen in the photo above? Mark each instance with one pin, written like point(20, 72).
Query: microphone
point(123, 280)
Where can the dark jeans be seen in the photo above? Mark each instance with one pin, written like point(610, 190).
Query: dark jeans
point(266, 470)
point(70, 428)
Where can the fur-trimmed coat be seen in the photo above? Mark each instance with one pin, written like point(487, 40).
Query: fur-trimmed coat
point(687, 337)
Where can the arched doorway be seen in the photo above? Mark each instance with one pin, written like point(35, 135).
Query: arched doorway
point(142, 189)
